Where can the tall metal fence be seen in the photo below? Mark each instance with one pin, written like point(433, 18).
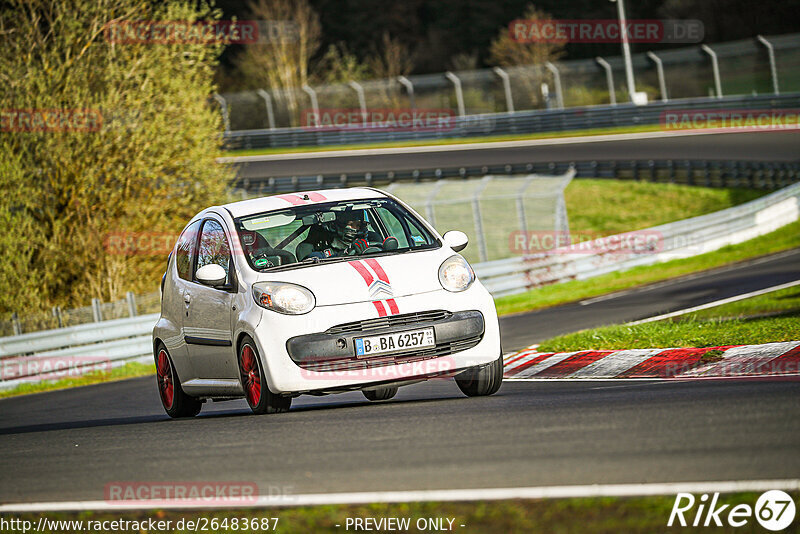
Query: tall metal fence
point(745, 67)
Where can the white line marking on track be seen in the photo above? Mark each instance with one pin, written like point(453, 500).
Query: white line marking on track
point(715, 303)
point(477, 494)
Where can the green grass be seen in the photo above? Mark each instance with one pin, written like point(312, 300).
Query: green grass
point(763, 319)
point(447, 141)
point(129, 370)
point(608, 207)
point(595, 515)
point(784, 238)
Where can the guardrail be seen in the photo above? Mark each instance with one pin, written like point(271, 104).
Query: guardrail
point(680, 239)
point(521, 122)
point(709, 173)
point(124, 340)
point(74, 350)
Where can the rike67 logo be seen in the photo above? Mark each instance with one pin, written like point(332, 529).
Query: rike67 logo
point(774, 510)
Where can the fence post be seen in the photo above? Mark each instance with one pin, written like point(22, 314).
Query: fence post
point(459, 94)
point(612, 96)
point(15, 323)
point(131, 303)
point(268, 103)
point(773, 69)
point(405, 82)
point(429, 211)
point(557, 80)
point(362, 101)
point(224, 107)
point(314, 103)
point(506, 88)
point(57, 315)
point(662, 82)
point(476, 213)
point(97, 313)
point(715, 68)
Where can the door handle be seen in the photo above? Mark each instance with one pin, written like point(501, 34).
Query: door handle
point(187, 300)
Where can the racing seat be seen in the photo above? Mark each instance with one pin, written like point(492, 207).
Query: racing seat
point(257, 247)
point(317, 239)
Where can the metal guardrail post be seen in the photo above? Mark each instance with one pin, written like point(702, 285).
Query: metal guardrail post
point(224, 107)
point(506, 88)
point(557, 80)
point(268, 103)
point(612, 96)
point(362, 101)
point(773, 69)
point(97, 313)
point(58, 317)
point(476, 213)
point(523, 221)
point(715, 67)
point(15, 324)
point(405, 82)
point(662, 82)
point(459, 94)
point(314, 103)
point(131, 298)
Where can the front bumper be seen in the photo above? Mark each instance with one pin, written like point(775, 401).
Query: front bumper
point(334, 349)
point(284, 372)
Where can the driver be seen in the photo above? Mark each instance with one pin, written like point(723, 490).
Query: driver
point(349, 235)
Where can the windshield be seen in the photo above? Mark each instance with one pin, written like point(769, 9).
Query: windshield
point(332, 231)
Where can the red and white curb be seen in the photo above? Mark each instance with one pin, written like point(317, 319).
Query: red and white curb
point(770, 359)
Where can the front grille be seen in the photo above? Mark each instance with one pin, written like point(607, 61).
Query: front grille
point(353, 364)
point(388, 322)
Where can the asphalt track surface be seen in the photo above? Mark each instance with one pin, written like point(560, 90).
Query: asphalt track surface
point(755, 146)
point(67, 445)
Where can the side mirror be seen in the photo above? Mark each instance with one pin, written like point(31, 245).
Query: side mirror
point(211, 275)
point(456, 240)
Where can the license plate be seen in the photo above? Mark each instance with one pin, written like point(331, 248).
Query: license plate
point(413, 339)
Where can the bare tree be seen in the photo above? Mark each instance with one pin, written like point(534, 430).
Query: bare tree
point(283, 62)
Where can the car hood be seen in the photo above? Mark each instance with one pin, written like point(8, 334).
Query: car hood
point(368, 279)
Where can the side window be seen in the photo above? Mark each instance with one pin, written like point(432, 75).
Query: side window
point(214, 247)
point(185, 250)
point(394, 226)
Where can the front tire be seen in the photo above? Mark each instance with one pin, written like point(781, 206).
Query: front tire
point(482, 380)
point(175, 402)
point(380, 394)
point(260, 399)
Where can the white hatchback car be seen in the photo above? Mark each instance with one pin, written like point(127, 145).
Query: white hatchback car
point(317, 293)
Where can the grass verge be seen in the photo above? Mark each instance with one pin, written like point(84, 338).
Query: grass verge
point(782, 239)
point(762, 319)
point(596, 515)
point(130, 370)
point(446, 141)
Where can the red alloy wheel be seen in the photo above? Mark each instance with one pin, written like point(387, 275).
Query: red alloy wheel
point(166, 387)
point(251, 375)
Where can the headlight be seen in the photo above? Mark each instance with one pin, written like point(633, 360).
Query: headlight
point(281, 297)
point(455, 274)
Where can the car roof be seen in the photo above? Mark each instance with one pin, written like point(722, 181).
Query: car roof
point(287, 200)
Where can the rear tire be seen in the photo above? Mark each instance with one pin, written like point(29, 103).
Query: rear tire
point(380, 394)
point(482, 380)
point(260, 399)
point(175, 402)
